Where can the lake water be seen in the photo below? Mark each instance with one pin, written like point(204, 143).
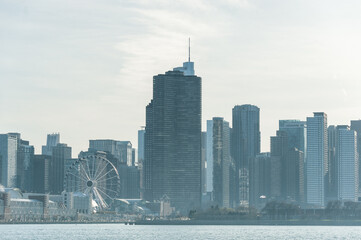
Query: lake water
point(119, 231)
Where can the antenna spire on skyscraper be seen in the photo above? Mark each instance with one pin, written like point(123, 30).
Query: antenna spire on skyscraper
point(189, 49)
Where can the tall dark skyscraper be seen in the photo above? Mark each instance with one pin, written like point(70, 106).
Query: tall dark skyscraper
point(172, 162)
point(60, 153)
point(246, 142)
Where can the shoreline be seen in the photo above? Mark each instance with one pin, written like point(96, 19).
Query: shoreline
point(213, 222)
point(255, 222)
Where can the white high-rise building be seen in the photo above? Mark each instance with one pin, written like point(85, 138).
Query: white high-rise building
point(347, 164)
point(316, 160)
point(8, 160)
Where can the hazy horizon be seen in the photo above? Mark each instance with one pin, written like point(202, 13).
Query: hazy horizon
point(85, 68)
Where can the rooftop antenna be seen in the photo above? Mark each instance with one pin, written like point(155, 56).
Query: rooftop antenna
point(189, 49)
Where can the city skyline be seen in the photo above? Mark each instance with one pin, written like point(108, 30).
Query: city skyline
point(69, 67)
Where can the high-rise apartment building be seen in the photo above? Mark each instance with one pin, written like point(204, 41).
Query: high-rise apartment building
point(347, 164)
point(246, 144)
point(173, 138)
point(316, 159)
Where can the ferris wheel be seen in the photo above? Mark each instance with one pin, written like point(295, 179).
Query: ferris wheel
point(93, 174)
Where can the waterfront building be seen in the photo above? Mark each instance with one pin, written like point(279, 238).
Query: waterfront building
point(173, 139)
point(246, 144)
point(316, 159)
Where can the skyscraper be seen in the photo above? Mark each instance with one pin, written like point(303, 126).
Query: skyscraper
point(8, 160)
point(260, 180)
point(141, 149)
point(60, 153)
point(347, 164)
point(41, 170)
point(121, 150)
point(246, 144)
point(51, 141)
point(331, 178)
point(209, 156)
point(356, 126)
point(296, 133)
point(316, 160)
point(221, 162)
point(173, 139)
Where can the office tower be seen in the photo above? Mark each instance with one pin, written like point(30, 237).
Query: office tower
point(331, 178)
point(134, 157)
point(246, 141)
point(209, 156)
point(141, 160)
point(61, 152)
point(288, 179)
point(260, 180)
point(296, 133)
point(347, 164)
point(8, 160)
point(141, 134)
point(51, 141)
point(41, 171)
point(121, 150)
point(316, 159)
point(129, 182)
point(356, 126)
point(279, 148)
point(293, 172)
point(174, 138)
point(221, 162)
point(25, 157)
point(147, 166)
point(204, 162)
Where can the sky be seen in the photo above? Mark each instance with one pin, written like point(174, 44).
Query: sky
point(84, 68)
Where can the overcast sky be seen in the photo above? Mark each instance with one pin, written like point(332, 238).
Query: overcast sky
point(84, 68)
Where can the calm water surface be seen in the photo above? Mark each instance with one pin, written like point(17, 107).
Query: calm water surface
point(117, 231)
